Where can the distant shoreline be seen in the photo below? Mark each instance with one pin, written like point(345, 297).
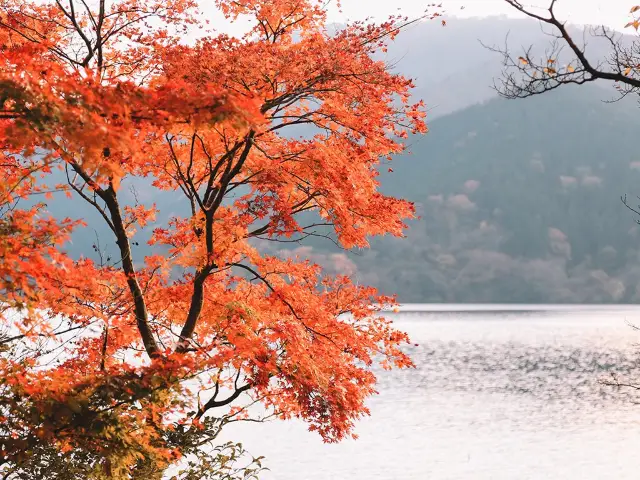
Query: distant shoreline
point(507, 307)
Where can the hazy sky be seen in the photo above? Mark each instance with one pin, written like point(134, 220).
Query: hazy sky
point(613, 13)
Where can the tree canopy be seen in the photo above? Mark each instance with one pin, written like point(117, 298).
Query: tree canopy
point(123, 366)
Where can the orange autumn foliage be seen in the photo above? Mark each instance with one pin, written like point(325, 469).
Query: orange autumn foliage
point(114, 358)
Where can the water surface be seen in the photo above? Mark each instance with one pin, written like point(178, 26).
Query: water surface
point(498, 393)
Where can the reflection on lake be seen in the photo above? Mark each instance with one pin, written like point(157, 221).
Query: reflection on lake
point(497, 394)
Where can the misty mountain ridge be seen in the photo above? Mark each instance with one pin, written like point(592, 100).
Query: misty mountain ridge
point(454, 69)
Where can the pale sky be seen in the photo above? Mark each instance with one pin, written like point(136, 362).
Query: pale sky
point(613, 13)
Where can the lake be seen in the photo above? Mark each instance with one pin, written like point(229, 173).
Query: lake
point(499, 392)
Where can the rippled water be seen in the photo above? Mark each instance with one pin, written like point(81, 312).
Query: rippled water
point(496, 395)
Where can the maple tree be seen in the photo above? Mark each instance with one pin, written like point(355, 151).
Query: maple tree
point(125, 367)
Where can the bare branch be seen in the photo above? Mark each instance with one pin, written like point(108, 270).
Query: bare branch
point(524, 76)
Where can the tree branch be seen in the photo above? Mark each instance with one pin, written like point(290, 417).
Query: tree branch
point(122, 240)
point(539, 77)
point(213, 403)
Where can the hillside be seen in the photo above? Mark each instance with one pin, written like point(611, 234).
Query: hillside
point(520, 202)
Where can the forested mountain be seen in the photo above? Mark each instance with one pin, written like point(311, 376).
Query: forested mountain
point(519, 200)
